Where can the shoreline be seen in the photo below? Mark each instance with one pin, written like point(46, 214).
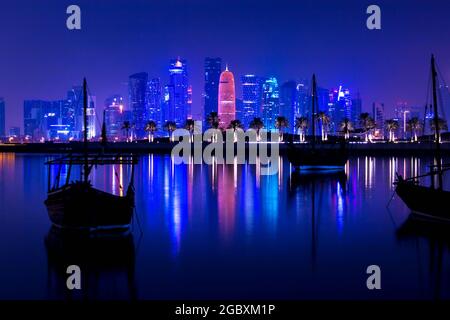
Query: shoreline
point(370, 149)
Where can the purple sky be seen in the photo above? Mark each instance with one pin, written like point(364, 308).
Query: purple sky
point(41, 59)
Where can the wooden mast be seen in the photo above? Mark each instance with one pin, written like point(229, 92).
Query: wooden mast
point(85, 138)
point(436, 121)
point(313, 115)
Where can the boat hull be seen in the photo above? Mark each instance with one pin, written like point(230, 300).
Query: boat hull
point(80, 206)
point(424, 201)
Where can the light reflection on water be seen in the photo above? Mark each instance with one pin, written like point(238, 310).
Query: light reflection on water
point(226, 231)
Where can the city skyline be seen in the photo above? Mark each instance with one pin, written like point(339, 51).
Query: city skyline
point(295, 46)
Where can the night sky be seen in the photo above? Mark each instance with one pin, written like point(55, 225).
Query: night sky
point(41, 59)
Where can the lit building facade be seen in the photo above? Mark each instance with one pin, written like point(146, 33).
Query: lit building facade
point(226, 99)
point(179, 101)
point(251, 98)
point(270, 103)
point(114, 108)
point(137, 89)
point(288, 102)
point(213, 69)
point(2, 117)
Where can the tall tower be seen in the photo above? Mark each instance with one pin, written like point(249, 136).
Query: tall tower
point(137, 87)
point(227, 98)
point(251, 98)
point(179, 103)
point(213, 68)
point(270, 103)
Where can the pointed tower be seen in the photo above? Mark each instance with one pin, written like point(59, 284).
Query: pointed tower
point(227, 98)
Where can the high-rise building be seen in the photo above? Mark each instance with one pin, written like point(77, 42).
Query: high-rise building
point(137, 88)
point(227, 98)
point(378, 117)
point(114, 108)
point(251, 98)
point(288, 102)
point(270, 102)
point(213, 69)
point(155, 102)
point(356, 109)
point(340, 106)
point(74, 113)
point(402, 115)
point(14, 132)
point(179, 106)
point(303, 100)
point(444, 102)
point(2, 117)
point(33, 118)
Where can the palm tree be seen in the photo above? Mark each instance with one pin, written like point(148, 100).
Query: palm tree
point(442, 126)
point(257, 124)
point(281, 123)
point(127, 127)
point(301, 124)
point(190, 126)
point(391, 126)
point(413, 125)
point(213, 121)
point(170, 127)
point(235, 124)
point(367, 123)
point(346, 126)
point(324, 122)
point(150, 128)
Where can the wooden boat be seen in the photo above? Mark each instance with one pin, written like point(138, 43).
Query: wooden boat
point(427, 201)
point(317, 155)
point(78, 204)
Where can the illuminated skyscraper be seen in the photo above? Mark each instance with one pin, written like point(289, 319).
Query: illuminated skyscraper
point(303, 100)
point(270, 103)
point(340, 104)
point(288, 102)
point(251, 98)
point(226, 99)
point(2, 117)
point(114, 108)
point(356, 110)
point(213, 69)
point(378, 116)
point(179, 106)
point(154, 101)
point(137, 89)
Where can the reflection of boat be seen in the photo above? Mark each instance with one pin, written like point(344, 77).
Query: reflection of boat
point(427, 201)
point(106, 261)
point(317, 156)
point(77, 204)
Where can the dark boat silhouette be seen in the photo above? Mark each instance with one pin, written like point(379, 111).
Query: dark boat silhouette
point(428, 201)
point(317, 155)
point(78, 204)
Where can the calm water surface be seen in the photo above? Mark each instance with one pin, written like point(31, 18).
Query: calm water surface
point(226, 232)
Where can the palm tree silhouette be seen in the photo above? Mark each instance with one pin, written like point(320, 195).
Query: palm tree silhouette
point(442, 126)
point(413, 125)
point(281, 123)
point(170, 127)
point(190, 126)
point(150, 128)
point(391, 126)
point(367, 123)
point(324, 122)
point(127, 127)
point(257, 124)
point(346, 126)
point(301, 124)
point(213, 121)
point(235, 124)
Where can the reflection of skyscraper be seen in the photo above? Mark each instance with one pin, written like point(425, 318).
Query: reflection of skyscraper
point(179, 106)
point(2, 117)
point(213, 69)
point(251, 98)
point(288, 102)
point(270, 103)
point(227, 98)
point(137, 88)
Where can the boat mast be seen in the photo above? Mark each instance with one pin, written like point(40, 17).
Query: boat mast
point(313, 97)
point(85, 140)
point(436, 120)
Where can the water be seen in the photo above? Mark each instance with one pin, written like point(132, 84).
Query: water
point(225, 232)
